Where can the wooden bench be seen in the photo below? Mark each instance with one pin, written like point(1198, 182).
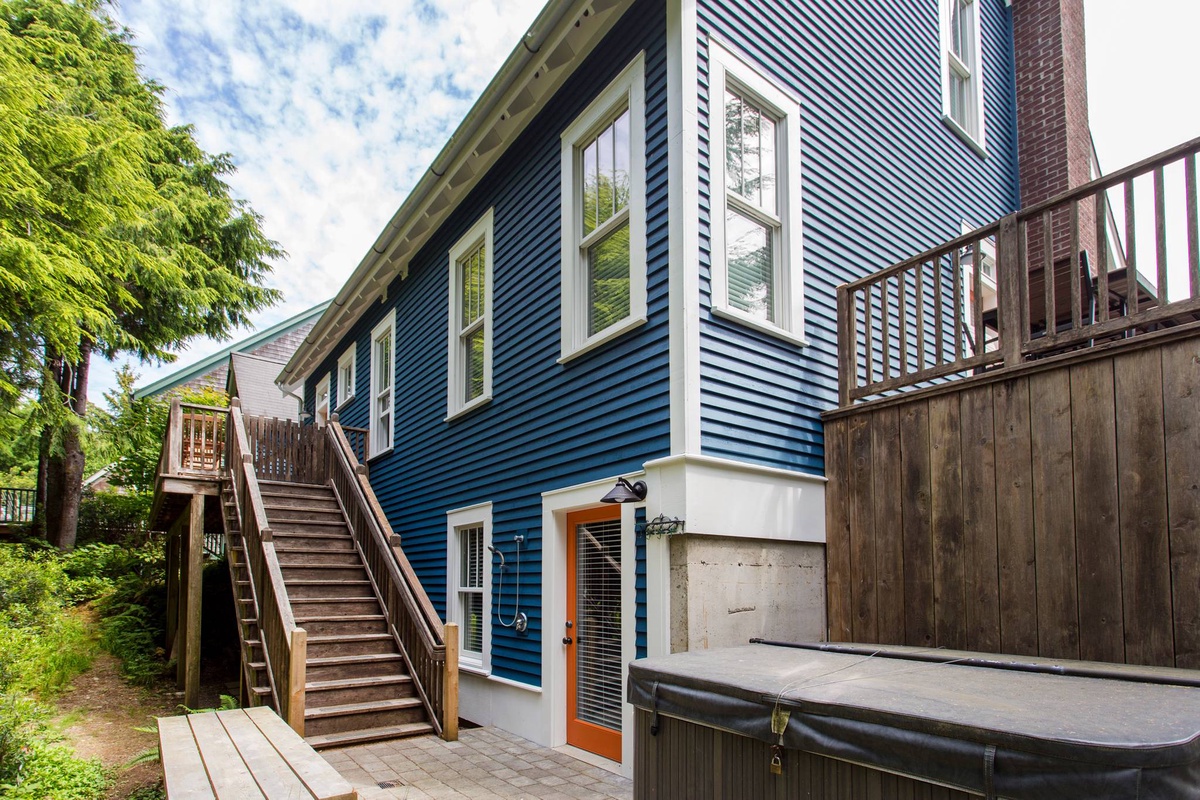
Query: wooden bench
point(243, 754)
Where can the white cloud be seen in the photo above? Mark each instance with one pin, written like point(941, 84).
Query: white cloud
point(332, 111)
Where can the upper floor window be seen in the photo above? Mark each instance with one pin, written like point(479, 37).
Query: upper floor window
point(962, 73)
point(345, 375)
point(604, 215)
point(470, 340)
point(754, 130)
point(321, 405)
point(383, 390)
point(469, 534)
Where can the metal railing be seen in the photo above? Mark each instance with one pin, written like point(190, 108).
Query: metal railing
point(284, 644)
point(429, 647)
point(1062, 279)
point(17, 505)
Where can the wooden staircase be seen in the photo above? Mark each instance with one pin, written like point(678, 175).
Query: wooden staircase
point(357, 687)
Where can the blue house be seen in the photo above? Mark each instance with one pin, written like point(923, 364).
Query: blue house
point(622, 265)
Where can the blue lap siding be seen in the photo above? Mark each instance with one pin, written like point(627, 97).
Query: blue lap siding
point(549, 425)
point(883, 178)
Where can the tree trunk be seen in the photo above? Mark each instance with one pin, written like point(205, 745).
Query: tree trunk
point(64, 467)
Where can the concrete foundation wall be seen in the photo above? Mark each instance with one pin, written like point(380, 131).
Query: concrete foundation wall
point(725, 591)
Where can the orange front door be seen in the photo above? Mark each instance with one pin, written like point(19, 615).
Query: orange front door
point(593, 634)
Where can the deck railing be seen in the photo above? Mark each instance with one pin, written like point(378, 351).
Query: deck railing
point(285, 451)
point(1066, 276)
point(284, 644)
point(17, 505)
point(429, 647)
point(194, 442)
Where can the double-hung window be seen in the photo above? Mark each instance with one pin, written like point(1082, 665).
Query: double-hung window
point(383, 390)
point(469, 532)
point(604, 216)
point(469, 382)
point(321, 405)
point(346, 375)
point(754, 136)
point(962, 73)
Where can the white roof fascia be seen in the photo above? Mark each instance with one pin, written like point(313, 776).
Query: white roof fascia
point(564, 33)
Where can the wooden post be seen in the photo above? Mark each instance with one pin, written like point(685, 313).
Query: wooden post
point(192, 586)
point(1011, 287)
point(174, 437)
point(172, 591)
point(450, 685)
point(847, 346)
point(297, 676)
point(178, 646)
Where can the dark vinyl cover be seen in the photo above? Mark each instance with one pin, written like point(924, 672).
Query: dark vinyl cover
point(1011, 729)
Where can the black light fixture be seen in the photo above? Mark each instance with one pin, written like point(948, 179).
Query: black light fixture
point(626, 492)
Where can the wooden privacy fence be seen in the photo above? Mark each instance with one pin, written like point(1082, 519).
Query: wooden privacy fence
point(284, 450)
point(1064, 274)
point(1051, 509)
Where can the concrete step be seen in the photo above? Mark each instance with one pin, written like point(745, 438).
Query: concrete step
point(364, 666)
point(318, 694)
point(366, 714)
point(369, 735)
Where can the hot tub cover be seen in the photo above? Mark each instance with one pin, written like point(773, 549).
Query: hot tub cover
point(999, 731)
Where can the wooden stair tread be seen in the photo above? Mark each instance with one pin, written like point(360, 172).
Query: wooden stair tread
point(330, 638)
point(367, 707)
point(339, 599)
point(356, 683)
point(342, 618)
point(332, 661)
point(326, 582)
point(320, 487)
point(369, 735)
point(304, 565)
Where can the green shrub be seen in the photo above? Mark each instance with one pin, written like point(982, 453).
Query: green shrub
point(54, 771)
point(113, 518)
point(129, 631)
point(21, 719)
point(30, 582)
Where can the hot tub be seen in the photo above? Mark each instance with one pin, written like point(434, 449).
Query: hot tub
point(858, 722)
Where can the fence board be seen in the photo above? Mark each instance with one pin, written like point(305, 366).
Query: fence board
point(837, 533)
point(979, 520)
point(918, 541)
point(1145, 550)
point(1181, 393)
point(889, 550)
point(949, 578)
point(1098, 537)
point(1054, 514)
point(862, 533)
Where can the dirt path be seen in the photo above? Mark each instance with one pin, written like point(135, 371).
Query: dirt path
point(102, 711)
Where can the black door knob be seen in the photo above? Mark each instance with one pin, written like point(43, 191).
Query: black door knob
point(567, 640)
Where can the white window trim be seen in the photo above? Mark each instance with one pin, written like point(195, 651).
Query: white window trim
point(388, 324)
point(457, 519)
point(628, 89)
point(350, 357)
point(724, 68)
point(481, 231)
point(977, 142)
point(322, 387)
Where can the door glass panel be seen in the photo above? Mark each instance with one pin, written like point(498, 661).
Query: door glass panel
point(598, 623)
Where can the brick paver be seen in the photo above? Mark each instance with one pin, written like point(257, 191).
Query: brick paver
point(484, 764)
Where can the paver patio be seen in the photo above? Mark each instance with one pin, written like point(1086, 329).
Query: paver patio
point(484, 764)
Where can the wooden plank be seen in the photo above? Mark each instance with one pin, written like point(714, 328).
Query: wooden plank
point(450, 684)
point(919, 297)
point(1014, 518)
point(949, 578)
point(271, 772)
point(956, 276)
point(885, 328)
point(1181, 392)
point(977, 295)
point(902, 322)
point(1054, 514)
point(1097, 520)
point(1193, 225)
point(1012, 299)
point(183, 769)
point(939, 322)
point(889, 530)
point(1076, 271)
point(322, 780)
point(869, 331)
point(979, 520)
point(916, 525)
point(1160, 235)
point(1050, 311)
point(837, 532)
point(1131, 297)
point(1102, 266)
point(1142, 478)
point(173, 548)
point(228, 773)
point(865, 617)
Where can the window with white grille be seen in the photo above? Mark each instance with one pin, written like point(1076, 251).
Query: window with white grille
point(962, 72)
point(383, 390)
point(469, 381)
point(347, 367)
point(469, 534)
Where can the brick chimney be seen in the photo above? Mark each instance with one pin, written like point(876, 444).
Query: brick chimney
point(1054, 145)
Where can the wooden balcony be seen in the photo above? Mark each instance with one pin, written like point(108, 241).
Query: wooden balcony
point(1022, 479)
point(191, 461)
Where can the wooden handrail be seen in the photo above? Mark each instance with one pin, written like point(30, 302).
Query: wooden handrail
point(412, 620)
point(284, 643)
point(1090, 288)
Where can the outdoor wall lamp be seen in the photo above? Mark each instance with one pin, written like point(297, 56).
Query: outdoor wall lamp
point(626, 492)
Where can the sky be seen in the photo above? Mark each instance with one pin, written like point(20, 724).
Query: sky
point(333, 110)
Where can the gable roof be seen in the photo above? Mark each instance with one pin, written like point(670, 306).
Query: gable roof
point(562, 36)
point(221, 357)
point(252, 379)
